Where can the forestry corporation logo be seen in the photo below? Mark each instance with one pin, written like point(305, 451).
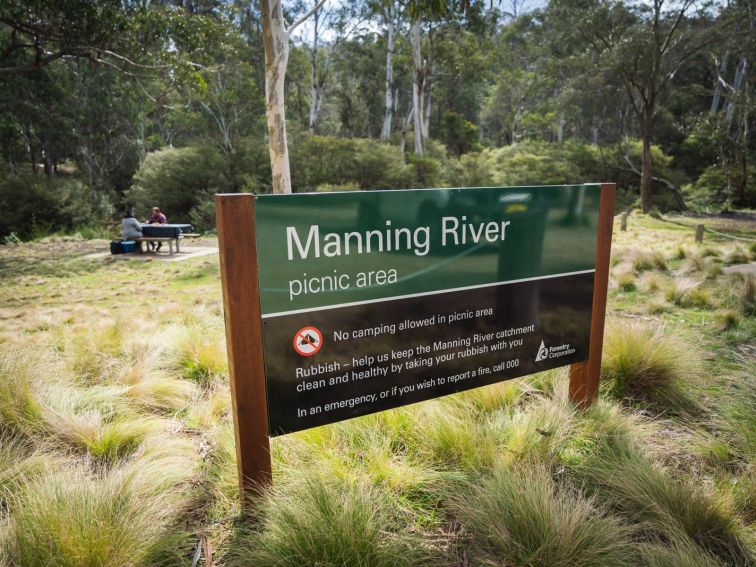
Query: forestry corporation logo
point(543, 353)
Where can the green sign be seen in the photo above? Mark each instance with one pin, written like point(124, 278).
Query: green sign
point(376, 299)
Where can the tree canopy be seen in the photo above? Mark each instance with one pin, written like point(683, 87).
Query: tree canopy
point(94, 95)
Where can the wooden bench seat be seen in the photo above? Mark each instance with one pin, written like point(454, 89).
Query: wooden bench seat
point(167, 239)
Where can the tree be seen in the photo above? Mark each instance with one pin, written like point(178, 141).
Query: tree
point(646, 45)
point(276, 44)
point(390, 14)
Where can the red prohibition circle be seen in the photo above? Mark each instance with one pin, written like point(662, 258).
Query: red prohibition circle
point(307, 341)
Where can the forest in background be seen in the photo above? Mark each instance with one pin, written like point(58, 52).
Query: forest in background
point(112, 105)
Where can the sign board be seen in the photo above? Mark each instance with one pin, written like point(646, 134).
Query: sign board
point(356, 302)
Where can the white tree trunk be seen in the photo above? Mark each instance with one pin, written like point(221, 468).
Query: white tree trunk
point(315, 99)
point(389, 103)
point(721, 68)
point(418, 87)
point(276, 41)
point(403, 140)
point(737, 83)
point(427, 108)
point(560, 128)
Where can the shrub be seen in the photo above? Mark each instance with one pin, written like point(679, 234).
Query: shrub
point(359, 163)
point(180, 181)
point(520, 517)
point(645, 362)
point(459, 135)
point(32, 206)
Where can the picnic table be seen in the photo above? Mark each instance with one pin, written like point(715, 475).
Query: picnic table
point(164, 233)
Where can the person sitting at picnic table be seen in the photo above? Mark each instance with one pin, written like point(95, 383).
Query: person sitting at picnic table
point(130, 227)
point(157, 218)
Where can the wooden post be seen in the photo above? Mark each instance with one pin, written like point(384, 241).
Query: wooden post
point(585, 376)
point(234, 214)
point(699, 232)
point(623, 221)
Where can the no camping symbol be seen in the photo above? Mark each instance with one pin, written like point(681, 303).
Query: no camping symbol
point(307, 341)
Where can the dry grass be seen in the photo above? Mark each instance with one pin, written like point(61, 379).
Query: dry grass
point(117, 447)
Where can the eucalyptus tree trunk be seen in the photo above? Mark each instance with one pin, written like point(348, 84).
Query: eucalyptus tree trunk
point(389, 102)
point(418, 87)
point(736, 85)
point(276, 43)
point(405, 126)
point(646, 171)
point(315, 87)
point(721, 68)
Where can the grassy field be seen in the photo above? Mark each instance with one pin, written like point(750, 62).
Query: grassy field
point(117, 447)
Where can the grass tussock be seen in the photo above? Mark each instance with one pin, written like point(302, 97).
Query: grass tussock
point(646, 259)
point(727, 319)
point(737, 255)
point(96, 354)
point(20, 460)
point(660, 507)
point(626, 282)
point(657, 308)
point(200, 355)
point(206, 413)
point(685, 292)
point(521, 517)
point(741, 289)
point(317, 522)
point(649, 363)
point(100, 435)
point(19, 376)
point(736, 410)
point(160, 393)
point(651, 282)
point(72, 518)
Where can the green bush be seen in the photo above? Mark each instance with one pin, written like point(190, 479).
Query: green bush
point(365, 164)
point(180, 181)
point(33, 206)
point(459, 135)
point(718, 187)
